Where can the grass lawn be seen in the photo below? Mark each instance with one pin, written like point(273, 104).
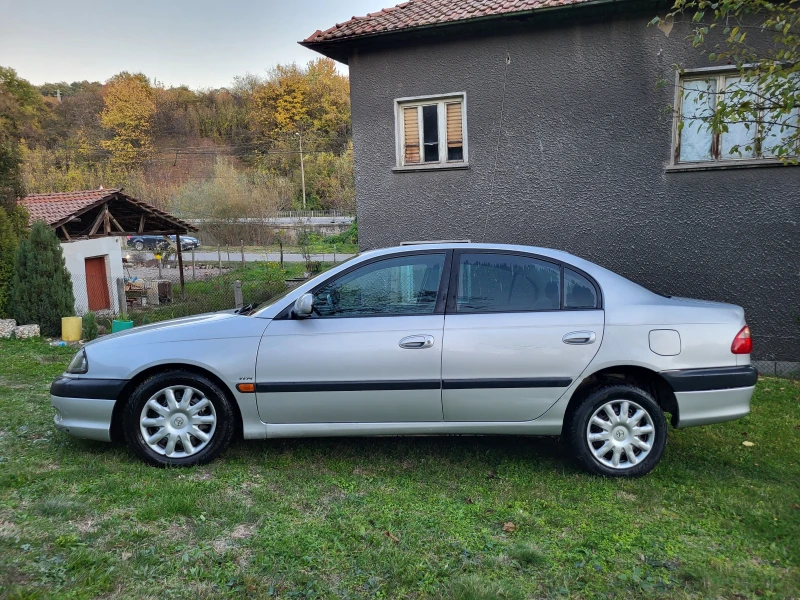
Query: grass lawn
point(395, 517)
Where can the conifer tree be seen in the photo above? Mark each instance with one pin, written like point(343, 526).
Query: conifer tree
point(41, 289)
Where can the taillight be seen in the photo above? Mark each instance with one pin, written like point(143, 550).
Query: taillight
point(742, 343)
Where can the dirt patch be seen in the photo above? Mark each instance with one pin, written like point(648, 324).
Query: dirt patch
point(243, 531)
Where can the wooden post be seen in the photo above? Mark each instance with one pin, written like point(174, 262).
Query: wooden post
point(237, 294)
point(194, 269)
point(219, 258)
point(242, 244)
point(281, 243)
point(180, 264)
point(228, 250)
point(123, 304)
point(334, 254)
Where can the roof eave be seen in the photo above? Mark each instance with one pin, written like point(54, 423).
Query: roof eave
point(340, 49)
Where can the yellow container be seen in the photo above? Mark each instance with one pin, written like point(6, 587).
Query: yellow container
point(71, 329)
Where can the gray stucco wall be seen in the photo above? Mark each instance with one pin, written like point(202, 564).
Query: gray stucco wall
point(585, 139)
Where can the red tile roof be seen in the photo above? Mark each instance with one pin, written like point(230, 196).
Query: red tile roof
point(56, 208)
point(52, 208)
point(422, 13)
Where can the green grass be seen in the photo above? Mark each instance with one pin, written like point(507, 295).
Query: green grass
point(418, 517)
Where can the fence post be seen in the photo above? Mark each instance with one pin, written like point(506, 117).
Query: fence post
point(219, 258)
point(123, 305)
point(228, 250)
point(194, 273)
point(281, 243)
point(237, 294)
point(334, 254)
point(242, 244)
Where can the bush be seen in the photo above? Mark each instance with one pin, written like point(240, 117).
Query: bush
point(12, 226)
point(41, 289)
point(349, 236)
point(89, 326)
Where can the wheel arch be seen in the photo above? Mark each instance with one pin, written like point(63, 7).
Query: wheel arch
point(125, 395)
point(642, 377)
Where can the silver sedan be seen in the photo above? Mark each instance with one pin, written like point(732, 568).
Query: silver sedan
point(425, 339)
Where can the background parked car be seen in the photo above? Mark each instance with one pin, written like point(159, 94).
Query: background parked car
point(147, 242)
point(187, 242)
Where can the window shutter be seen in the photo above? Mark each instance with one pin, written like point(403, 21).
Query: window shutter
point(455, 136)
point(411, 129)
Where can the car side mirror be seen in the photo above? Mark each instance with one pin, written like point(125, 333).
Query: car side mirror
point(303, 306)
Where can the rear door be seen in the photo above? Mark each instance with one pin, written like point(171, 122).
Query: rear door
point(518, 330)
point(371, 352)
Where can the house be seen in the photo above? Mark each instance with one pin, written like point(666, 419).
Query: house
point(93, 226)
point(544, 123)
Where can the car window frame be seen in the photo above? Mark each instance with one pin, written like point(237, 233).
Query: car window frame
point(441, 293)
point(451, 307)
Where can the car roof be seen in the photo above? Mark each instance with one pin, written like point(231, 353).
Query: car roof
point(559, 255)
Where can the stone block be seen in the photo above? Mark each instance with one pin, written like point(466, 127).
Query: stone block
point(23, 332)
point(7, 328)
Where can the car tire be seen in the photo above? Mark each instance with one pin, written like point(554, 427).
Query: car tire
point(138, 245)
point(604, 442)
point(180, 433)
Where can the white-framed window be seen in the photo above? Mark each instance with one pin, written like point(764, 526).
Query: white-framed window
point(431, 131)
point(697, 95)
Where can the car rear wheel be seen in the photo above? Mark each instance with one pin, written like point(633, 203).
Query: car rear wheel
point(139, 245)
point(178, 418)
point(618, 430)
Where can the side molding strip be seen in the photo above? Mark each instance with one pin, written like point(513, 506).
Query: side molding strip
point(425, 384)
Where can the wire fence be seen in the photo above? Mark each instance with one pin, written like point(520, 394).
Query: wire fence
point(150, 293)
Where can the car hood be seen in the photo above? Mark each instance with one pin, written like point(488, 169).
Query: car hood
point(218, 325)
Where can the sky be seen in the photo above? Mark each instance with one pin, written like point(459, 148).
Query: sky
point(199, 43)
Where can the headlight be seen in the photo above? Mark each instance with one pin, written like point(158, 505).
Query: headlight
point(79, 364)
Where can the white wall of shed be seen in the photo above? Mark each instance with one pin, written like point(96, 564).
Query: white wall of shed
point(75, 255)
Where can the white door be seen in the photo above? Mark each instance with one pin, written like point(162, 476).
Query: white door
point(371, 351)
point(517, 333)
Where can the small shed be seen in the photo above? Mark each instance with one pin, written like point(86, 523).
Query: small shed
point(93, 226)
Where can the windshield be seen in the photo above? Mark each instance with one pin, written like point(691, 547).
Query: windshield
point(251, 309)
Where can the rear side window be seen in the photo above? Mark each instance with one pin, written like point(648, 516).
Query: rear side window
point(505, 283)
point(579, 292)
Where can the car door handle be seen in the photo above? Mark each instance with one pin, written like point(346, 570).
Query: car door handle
point(579, 337)
point(417, 342)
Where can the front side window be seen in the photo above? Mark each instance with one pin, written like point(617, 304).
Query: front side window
point(406, 285)
point(756, 138)
point(506, 283)
point(431, 132)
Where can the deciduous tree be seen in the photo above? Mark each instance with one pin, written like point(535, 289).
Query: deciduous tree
point(762, 40)
point(128, 115)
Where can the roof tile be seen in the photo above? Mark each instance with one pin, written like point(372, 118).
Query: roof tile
point(52, 208)
point(419, 13)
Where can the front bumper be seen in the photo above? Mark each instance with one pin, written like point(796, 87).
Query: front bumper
point(715, 395)
point(84, 406)
point(84, 417)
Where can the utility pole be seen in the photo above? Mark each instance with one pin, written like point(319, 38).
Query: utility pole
point(302, 168)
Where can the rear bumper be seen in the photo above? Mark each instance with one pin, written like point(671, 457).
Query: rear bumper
point(719, 378)
point(84, 417)
point(712, 406)
point(715, 395)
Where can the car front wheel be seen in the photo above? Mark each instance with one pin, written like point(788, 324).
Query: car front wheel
point(178, 418)
point(139, 246)
point(618, 430)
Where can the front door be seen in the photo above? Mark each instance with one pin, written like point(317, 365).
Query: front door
point(371, 351)
point(517, 334)
point(97, 283)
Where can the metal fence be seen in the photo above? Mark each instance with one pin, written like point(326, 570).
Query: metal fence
point(149, 292)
